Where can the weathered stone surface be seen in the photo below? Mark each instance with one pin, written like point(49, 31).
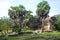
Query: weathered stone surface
point(47, 24)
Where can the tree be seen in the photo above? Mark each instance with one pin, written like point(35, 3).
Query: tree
point(42, 11)
point(33, 23)
point(57, 23)
point(18, 14)
point(5, 24)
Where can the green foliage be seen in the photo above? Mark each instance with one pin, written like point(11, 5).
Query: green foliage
point(5, 23)
point(42, 11)
point(43, 8)
point(18, 14)
point(13, 12)
point(32, 18)
point(33, 23)
point(57, 24)
point(28, 14)
point(16, 29)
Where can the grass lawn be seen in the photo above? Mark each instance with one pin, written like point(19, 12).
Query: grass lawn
point(31, 37)
point(54, 33)
point(20, 37)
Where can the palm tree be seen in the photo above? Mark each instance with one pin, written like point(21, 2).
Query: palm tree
point(16, 14)
point(42, 11)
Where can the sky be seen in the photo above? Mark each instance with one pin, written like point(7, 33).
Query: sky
point(29, 5)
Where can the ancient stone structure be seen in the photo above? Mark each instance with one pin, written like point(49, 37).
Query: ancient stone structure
point(47, 24)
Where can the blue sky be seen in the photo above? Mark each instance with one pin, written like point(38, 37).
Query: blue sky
point(29, 5)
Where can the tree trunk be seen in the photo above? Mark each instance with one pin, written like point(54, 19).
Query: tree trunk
point(42, 28)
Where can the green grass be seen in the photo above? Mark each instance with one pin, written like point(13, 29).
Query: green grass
point(54, 33)
point(20, 37)
point(29, 36)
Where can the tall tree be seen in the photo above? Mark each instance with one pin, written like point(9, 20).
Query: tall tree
point(17, 14)
point(42, 11)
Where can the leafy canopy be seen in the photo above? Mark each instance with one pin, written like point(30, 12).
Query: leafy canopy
point(43, 8)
